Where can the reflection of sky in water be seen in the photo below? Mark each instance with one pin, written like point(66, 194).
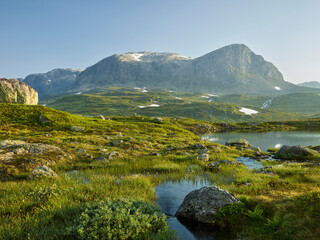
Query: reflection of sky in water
point(269, 139)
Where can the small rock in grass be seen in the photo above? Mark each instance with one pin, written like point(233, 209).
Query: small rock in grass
point(77, 129)
point(42, 172)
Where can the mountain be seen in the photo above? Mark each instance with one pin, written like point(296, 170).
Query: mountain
point(231, 69)
point(312, 84)
point(14, 91)
point(52, 82)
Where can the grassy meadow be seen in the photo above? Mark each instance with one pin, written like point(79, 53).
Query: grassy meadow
point(115, 199)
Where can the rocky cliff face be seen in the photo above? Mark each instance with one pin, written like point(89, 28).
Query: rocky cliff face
point(52, 82)
point(231, 69)
point(14, 91)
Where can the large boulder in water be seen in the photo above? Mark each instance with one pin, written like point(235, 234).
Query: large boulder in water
point(202, 205)
point(296, 153)
point(14, 91)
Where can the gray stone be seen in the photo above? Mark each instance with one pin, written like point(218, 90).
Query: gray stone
point(119, 134)
point(256, 149)
point(154, 154)
point(197, 146)
point(81, 150)
point(42, 172)
point(202, 205)
point(158, 120)
point(43, 119)
point(14, 91)
point(102, 159)
point(102, 117)
point(212, 167)
point(112, 155)
point(296, 153)
point(203, 157)
point(77, 129)
point(117, 142)
point(227, 162)
point(237, 143)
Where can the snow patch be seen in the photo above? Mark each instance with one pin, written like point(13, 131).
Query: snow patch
point(78, 93)
point(277, 88)
point(151, 105)
point(141, 89)
point(49, 80)
point(278, 145)
point(204, 96)
point(136, 56)
point(44, 104)
point(266, 104)
point(248, 111)
point(178, 98)
point(213, 95)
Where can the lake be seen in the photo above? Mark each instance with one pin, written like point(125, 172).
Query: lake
point(265, 140)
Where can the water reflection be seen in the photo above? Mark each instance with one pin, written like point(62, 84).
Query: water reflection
point(265, 140)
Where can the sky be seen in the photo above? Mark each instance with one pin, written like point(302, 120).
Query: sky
point(39, 35)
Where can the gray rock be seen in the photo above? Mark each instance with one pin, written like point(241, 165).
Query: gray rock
point(81, 150)
point(256, 149)
point(117, 142)
point(112, 155)
point(202, 205)
point(203, 157)
point(296, 153)
point(212, 167)
point(43, 119)
point(227, 162)
point(102, 117)
point(215, 149)
point(77, 129)
point(42, 172)
point(158, 120)
point(119, 134)
point(14, 91)
point(197, 146)
point(10, 143)
point(154, 154)
point(237, 143)
point(102, 159)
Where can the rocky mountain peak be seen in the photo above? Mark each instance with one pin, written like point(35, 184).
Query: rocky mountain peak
point(151, 57)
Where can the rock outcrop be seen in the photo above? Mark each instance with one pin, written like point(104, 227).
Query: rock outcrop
point(42, 172)
point(202, 205)
point(14, 91)
point(297, 153)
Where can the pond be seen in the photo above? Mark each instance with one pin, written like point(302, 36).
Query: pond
point(170, 196)
point(265, 140)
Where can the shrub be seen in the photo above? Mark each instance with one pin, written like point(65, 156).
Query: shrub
point(256, 214)
point(120, 219)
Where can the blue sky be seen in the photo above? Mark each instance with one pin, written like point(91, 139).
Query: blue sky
point(40, 35)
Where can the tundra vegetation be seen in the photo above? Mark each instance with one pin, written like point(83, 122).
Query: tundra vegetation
point(107, 171)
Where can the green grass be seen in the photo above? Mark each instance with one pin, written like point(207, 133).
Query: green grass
point(288, 202)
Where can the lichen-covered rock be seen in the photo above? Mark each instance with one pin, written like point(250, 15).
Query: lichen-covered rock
point(212, 167)
point(297, 153)
point(112, 155)
point(203, 157)
point(42, 172)
point(14, 91)
point(43, 119)
point(237, 143)
point(158, 120)
point(202, 205)
point(77, 129)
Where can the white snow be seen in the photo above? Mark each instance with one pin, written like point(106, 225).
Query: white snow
point(74, 75)
point(277, 88)
point(178, 98)
point(44, 104)
point(49, 80)
point(136, 56)
point(204, 96)
point(213, 95)
point(78, 93)
point(141, 89)
point(151, 105)
point(266, 104)
point(248, 111)
point(210, 100)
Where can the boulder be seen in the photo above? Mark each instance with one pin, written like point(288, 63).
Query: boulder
point(237, 143)
point(42, 172)
point(43, 119)
point(212, 167)
point(102, 117)
point(117, 142)
point(197, 146)
point(157, 120)
point(296, 153)
point(112, 155)
point(202, 205)
point(203, 157)
point(119, 134)
point(14, 91)
point(77, 129)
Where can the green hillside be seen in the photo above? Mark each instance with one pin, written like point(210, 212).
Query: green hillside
point(129, 101)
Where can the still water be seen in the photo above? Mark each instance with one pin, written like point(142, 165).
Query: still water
point(265, 140)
